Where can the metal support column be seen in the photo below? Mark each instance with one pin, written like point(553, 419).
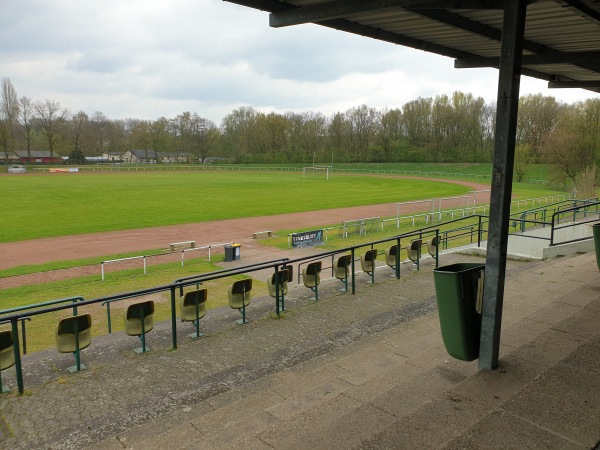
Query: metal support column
point(502, 174)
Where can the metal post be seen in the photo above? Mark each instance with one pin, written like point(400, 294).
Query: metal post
point(17, 353)
point(502, 174)
point(173, 319)
point(353, 276)
point(108, 317)
point(144, 265)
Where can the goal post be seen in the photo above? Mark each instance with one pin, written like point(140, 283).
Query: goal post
point(317, 170)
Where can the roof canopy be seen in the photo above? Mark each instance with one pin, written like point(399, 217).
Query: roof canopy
point(561, 45)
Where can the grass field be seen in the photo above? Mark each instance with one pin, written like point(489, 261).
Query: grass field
point(47, 205)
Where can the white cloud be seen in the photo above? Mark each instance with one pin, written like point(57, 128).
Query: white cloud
point(151, 58)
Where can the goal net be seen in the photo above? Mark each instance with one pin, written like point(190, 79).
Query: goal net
point(317, 171)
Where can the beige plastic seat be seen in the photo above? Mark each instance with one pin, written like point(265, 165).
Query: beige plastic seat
point(279, 292)
point(73, 334)
point(432, 246)
point(283, 283)
point(139, 320)
point(341, 270)
point(367, 263)
point(414, 251)
point(390, 256)
point(311, 277)
point(239, 297)
point(193, 308)
point(7, 355)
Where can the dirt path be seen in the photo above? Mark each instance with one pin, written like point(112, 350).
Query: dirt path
point(39, 251)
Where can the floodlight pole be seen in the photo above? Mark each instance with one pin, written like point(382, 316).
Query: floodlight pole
point(509, 78)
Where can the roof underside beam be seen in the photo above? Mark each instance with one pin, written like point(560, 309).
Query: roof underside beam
point(592, 85)
point(342, 8)
point(552, 58)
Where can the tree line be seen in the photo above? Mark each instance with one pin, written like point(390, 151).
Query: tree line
point(446, 128)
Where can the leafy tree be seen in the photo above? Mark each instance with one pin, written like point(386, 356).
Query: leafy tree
point(77, 157)
point(524, 158)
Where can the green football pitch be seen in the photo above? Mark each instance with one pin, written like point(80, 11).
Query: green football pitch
point(46, 205)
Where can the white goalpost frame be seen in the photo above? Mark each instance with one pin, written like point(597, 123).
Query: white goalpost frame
point(327, 170)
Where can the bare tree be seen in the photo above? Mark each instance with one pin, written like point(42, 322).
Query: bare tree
point(205, 137)
point(9, 115)
point(26, 116)
point(52, 120)
point(78, 129)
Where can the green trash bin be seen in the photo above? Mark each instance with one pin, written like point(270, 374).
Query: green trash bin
point(456, 288)
point(596, 230)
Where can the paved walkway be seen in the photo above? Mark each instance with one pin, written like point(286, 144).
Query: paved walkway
point(350, 371)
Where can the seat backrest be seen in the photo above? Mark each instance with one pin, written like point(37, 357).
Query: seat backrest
point(71, 325)
point(137, 310)
point(432, 245)
point(371, 255)
point(7, 349)
point(416, 244)
point(241, 286)
point(6, 339)
point(290, 271)
point(344, 260)
point(390, 255)
point(314, 268)
point(192, 297)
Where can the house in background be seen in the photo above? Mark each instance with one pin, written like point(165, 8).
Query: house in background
point(112, 157)
point(139, 157)
point(38, 157)
point(175, 158)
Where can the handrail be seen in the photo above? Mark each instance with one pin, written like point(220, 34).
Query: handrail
point(568, 211)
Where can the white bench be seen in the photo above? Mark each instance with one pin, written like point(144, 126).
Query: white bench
point(189, 244)
point(257, 234)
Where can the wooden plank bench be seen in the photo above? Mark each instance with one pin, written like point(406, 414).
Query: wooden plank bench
point(257, 234)
point(189, 244)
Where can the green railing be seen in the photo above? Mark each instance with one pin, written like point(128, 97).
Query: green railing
point(14, 315)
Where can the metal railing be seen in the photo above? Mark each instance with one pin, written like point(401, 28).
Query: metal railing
point(445, 232)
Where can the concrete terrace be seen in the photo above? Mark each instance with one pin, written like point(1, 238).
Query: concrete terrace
point(350, 371)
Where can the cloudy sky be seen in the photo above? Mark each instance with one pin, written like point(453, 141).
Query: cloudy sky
point(150, 58)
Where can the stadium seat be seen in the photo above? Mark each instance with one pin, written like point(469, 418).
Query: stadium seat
point(414, 251)
point(7, 355)
point(432, 245)
point(193, 308)
point(391, 256)
point(367, 263)
point(311, 277)
point(341, 270)
point(73, 334)
point(239, 297)
point(279, 293)
point(139, 320)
